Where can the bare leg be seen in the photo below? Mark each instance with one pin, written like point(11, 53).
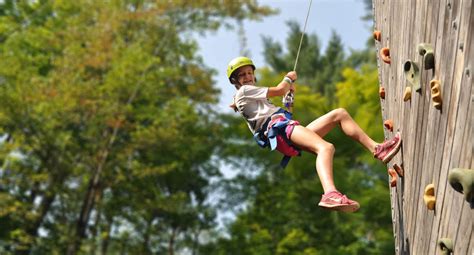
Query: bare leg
point(312, 142)
point(340, 116)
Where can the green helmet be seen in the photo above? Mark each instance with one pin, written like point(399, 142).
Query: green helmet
point(236, 63)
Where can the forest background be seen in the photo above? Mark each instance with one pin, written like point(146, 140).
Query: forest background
point(111, 141)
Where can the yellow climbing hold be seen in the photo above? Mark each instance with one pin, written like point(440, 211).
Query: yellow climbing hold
point(429, 197)
point(407, 94)
point(436, 93)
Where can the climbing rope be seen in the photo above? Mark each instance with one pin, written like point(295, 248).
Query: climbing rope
point(289, 98)
point(302, 35)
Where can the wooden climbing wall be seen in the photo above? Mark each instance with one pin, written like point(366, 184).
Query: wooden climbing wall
point(434, 141)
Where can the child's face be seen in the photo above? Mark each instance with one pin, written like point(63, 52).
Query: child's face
point(245, 75)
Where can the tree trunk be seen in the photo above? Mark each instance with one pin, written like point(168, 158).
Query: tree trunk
point(106, 239)
point(44, 208)
point(146, 237)
point(171, 242)
point(87, 206)
point(96, 228)
point(94, 187)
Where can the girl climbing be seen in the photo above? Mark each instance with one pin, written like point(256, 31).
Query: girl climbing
point(272, 126)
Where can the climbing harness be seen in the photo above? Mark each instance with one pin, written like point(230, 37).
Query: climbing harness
point(289, 98)
point(275, 134)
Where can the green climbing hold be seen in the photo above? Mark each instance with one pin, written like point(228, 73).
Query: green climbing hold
point(412, 74)
point(462, 180)
point(426, 50)
point(446, 246)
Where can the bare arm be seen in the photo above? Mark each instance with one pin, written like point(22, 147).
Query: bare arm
point(282, 88)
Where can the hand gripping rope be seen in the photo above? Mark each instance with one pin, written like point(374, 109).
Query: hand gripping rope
point(289, 98)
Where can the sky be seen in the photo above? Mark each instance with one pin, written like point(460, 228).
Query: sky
point(342, 16)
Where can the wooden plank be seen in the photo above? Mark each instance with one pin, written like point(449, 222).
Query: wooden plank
point(462, 228)
point(407, 31)
point(390, 38)
point(382, 23)
point(426, 217)
point(470, 132)
point(431, 131)
point(401, 14)
point(451, 97)
point(417, 234)
point(399, 36)
point(421, 160)
point(461, 23)
point(462, 235)
point(444, 51)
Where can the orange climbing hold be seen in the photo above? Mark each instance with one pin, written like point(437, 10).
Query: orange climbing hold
point(382, 92)
point(388, 124)
point(385, 55)
point(377, 35)
point(429, 197)
point(398, 169)
point(393, 177)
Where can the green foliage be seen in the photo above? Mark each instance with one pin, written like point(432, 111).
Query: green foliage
point(108, 132)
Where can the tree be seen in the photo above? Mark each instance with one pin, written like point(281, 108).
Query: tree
point(108, 132)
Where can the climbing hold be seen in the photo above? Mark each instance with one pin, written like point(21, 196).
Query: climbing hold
point(446, 246)
point(385, 55)
point(407, 94)
point(412, 74)
point(462, 180)
point(426, 50)
point(388, 124)
point(377, 35)
point(393, 177)
point(436, 93)
point(429, 196)
point(382, 92)
point(398, 169)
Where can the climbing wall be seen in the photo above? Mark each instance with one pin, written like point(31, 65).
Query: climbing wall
point(435, 120)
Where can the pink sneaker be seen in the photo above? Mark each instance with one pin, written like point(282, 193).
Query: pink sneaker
point(388, 149)
point(335, 200)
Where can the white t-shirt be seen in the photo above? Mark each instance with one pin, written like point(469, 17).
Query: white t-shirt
point(253, 104)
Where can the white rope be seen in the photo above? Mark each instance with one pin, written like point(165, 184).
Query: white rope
point(302, 35)
point(289, 98)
